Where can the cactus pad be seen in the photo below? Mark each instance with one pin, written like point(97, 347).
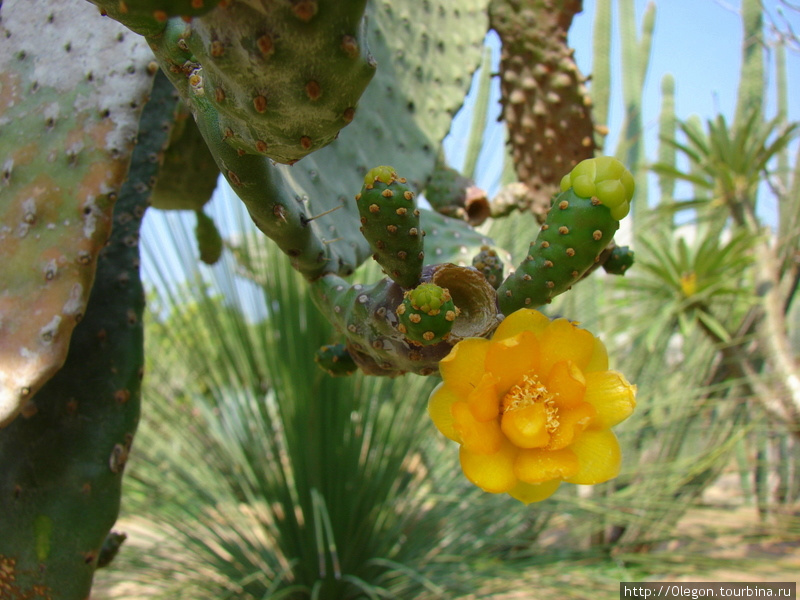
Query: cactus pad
point(64, 457)
point(149, 17)
point(281, 78)
point(426, 314)
point(545, 103)
point(390, 223)
point(580, 224)
point(209, 240)
point(67, 134)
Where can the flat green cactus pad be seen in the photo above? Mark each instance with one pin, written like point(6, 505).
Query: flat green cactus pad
point(422, 77)
point(69, 110)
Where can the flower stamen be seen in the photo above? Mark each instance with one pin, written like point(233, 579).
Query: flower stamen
point(531, 391)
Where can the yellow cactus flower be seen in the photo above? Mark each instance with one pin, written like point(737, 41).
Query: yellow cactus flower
point(532, 407)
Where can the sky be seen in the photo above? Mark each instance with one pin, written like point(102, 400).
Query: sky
point(697, 41)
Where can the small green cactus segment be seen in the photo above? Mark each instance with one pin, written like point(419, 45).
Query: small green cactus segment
point(209, 240)
point(282, 78)
point(149, 17)
point(390, 223)
point(110, 548)
point(426, 315)
point(335, 360)
point(490, 265)
point(620, 260)
point(605, 179)
point(451, 194)
point(580, 224)
point(64, 457)
point(193, 173)
point(68, 129)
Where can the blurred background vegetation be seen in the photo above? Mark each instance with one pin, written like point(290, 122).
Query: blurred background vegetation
point(257, 476)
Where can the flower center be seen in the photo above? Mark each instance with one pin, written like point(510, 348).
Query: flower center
point(527, 393)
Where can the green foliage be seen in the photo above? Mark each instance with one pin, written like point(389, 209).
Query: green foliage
point(309, 486)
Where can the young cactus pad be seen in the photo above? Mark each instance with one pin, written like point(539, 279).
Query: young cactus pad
point(426, 315)
point(390, 223)
point(580, 224)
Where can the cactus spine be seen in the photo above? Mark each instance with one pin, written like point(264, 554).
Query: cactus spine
point(390, 223)
point(580, 224)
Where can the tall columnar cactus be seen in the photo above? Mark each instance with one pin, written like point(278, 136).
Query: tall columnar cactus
point(595, 195)
point(545, 103)
point(635, 62)
point(63, 458)
point(68, 118)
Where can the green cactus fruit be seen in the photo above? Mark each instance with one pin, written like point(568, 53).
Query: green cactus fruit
point(64, 457)
point(282, 78)
point(490, 265)
point(580, 224)
point(149, 17)
point(390, 223)
point(620, 260)
point(68, 128)
point(426, 315)
point(209, 240)
point(335, 360)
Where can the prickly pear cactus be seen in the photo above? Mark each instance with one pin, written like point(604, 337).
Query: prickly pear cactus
point(63, 458)
point(545, 103)
point(69, 110)
point(451, 194)
point(193, 174)
point(390, 223)
point(619, 261)
point(308, 209)
point(280, 78)
point(335, 360)
point(489, 263)
point(580, 224)
point(149, 17)
point(426, 314)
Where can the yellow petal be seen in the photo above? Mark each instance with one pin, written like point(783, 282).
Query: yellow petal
point(534, 492)
point(463, 367)
point(612, 397)
point(491, 472)
point(571, 424)
point(568, 384)
point(526, 427)
point(483, 400)
point(599, 359)
point(564, 341)
point(524, 319)
point(599, 457)
point(440, 402)
point(480, 437)
point(538, 465)
point(511, 358)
